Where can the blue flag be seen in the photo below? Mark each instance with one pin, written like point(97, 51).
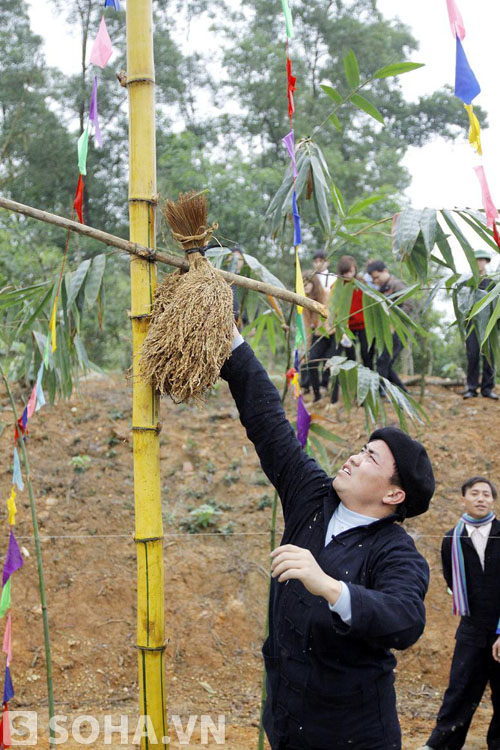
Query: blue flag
point(112, 4)
point(8, 690)
point(466, 85)
point(297, 237)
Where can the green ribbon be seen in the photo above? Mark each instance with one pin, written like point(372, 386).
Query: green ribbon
point(83, 147)
point(288, 19)
point(5, 599)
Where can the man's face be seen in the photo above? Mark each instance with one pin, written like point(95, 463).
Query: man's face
point(482, 263)
point(366, 476)
point(380, 277)
point(320, 264)
point(478, 500)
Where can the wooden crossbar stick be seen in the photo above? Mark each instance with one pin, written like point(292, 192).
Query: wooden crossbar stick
point(148, 253)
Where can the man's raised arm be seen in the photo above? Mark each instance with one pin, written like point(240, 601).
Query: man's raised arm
point(287, 466)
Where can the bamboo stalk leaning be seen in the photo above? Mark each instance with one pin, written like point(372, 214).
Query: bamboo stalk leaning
point(148, 253)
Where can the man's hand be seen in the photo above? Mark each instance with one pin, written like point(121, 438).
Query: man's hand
point(496, 649)
point(290, 561)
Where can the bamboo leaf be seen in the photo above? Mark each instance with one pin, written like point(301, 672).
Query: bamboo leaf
point(325, 433)
point(396, 69)
point(93, 279)
point(364, 381)
point(428, 224)
point(406, 229)
point(492, 321)
point(368, 107)
point(338, 199)
point(77, 279)
point(261, 271)
point(271, 333)
point(351, 69)
point(445, 249)
point(332, 93)
point(335, 121)
point(360, 205)
point(464, 243)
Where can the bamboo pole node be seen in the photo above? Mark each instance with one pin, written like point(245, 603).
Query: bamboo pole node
point(148, 539)
point(156, 429)
point(144, 316)
point(152, 648)
point(152, 201)
point(140, 79)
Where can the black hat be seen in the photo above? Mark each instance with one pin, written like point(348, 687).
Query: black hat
point(319, 254)
point(414, 468)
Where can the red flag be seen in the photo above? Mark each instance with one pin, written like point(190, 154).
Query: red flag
point(291, 88)
point(78, 203)
point(5, 740)
point(496, 235)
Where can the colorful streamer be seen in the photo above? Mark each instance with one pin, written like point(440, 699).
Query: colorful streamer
point(13, 560)
point(466, 85)
point(11, 507)
point(5, 599)
point(474, 130)
point(303, 422)
point(288, 140)
point(291, 80)
point(7, 640)
point(16, 474)
point(78, 202)
point(288, 18)
point(488, 205)
point(83, 147)
point(101, 49)
point(93, 114)
point(456, 22)
point(112, 4)
point(297, 234)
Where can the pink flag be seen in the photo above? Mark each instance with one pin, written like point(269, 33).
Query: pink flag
point(32, 403)
point(7, 641)
point(456, 22)
point(488, 205)
point(102, 49)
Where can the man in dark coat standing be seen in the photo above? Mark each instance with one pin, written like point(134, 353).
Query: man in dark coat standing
point(348, 584)
point(471, 567)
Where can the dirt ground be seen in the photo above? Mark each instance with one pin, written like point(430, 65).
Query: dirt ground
point(216, 579)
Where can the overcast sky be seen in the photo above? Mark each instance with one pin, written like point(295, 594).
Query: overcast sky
point(442, 173)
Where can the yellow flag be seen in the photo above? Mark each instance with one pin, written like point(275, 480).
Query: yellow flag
point(474, 130)
point(52, 325)
point(11, 507)
point(299, 281)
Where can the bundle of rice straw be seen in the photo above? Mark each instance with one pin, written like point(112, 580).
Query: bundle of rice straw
point(190, 334)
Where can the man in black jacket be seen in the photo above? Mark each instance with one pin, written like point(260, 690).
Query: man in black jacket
point(474, 547)
point(348, 584)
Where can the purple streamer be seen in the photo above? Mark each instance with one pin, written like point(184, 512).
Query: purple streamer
point(93, 114)
point(297, 235)
point(303, 422)
point(14, 559)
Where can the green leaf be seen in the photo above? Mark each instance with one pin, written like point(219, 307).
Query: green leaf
point(351, 69)
point(77, 279)
point(367, 107)
point(396, 69)
point(325, 433)
point(332, 93)
point(445, 249)
point(428, 224)
point(335, 121)
point(93, 279)
point(464, 243)
point(338, 199)
point(405, 232)
point(492, 321)
point(271, 333)
point(360, 205)
point(321, 204)
point(261, 271)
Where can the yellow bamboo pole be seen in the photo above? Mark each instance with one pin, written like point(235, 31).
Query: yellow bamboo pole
point(145, 411)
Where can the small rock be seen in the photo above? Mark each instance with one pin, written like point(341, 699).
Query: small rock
point(187, 467)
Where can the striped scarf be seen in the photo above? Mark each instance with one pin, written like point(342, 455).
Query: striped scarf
point(460, 602)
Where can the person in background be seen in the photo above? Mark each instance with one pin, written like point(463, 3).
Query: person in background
point(474, 356)
point(320, 263)
point(320, 346)
point(388, 284)
point(471, 566)
point(347, 270)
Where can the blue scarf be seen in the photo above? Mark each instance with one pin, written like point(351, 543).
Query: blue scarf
point(460, 601)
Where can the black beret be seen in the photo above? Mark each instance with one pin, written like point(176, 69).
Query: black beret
point(414, 468)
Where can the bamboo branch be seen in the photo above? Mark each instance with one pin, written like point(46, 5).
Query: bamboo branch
point(147, 253)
